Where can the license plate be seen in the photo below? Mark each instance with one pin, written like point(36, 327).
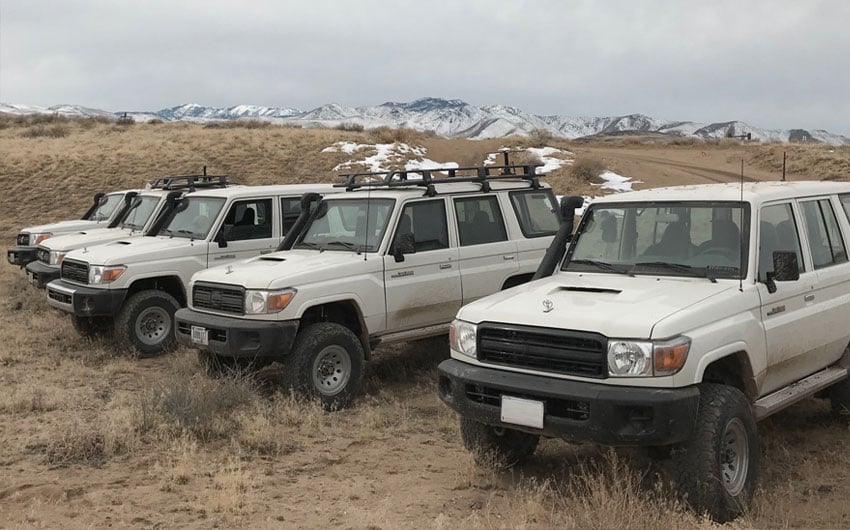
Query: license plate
point(200, 335)
point(520, 411)
point(31, 278)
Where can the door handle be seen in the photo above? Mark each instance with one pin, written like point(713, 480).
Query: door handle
point(809, 298)
point(508, 257)
point(445, 265)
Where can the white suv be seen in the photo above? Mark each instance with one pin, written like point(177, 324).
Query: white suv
point(107, 207)
point(677, 318)
point(389, 260)
point(134, 285)
point(145, 208)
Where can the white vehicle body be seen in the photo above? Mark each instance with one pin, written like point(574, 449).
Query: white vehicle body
point(631, 340)
point(167, 261)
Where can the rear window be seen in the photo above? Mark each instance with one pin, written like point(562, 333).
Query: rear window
point(536, 211)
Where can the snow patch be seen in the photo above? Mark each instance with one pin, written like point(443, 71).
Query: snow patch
point(616, 182)
point(386, 155)
point(546, 155)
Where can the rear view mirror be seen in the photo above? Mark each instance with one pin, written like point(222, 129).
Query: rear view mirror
point(405, 244)
point(785, 269)
point(221, 239)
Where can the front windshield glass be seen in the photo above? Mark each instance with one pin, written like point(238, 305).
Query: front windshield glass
point(107, 205)
point(193, 218)
point(140, 212)
point(342, 225)
point(673, 239)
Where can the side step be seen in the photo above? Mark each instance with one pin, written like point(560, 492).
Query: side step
point(798, 391)
point(415, 334)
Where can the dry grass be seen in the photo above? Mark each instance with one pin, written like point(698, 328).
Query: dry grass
point(93, 437)
point(587, 168)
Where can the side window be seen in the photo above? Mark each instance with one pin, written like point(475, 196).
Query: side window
point(536, 212)
point(426, 222)
point(479, 220)
point(845, 202)
point(777, 231)
point(824, 235)
point(251, 219)
point(290, 208)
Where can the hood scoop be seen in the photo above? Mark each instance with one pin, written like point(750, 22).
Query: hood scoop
point(590, 290)
point(272, 258)
point(123, 243)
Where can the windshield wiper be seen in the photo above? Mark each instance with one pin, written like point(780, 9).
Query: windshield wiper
point(603, 265)
point(703, 272)
point(345, 244)
point(307, 244)
point(191, 234)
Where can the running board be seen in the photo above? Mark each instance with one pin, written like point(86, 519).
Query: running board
point(415, 334)
point(798, 391)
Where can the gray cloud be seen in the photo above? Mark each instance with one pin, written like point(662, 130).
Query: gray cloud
point(777, 64)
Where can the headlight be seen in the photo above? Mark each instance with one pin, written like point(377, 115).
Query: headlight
point(99, 274)
point(463, 337)
point(262, 302)
point(37, 238)
point(56, 257)
point(632, 358)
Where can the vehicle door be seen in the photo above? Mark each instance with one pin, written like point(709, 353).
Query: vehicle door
point(487, 256)
point(423, 288)
point(789, 314)
point(247, 230)
point(537, 217)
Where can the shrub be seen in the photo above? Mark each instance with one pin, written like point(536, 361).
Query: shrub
point(388, 135)
point(350, 127)
point(540, 137)
point(41, 131)
point(587, 168)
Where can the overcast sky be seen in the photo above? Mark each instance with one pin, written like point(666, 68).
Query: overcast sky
point(771, 63)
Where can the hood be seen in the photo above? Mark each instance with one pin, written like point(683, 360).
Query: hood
point(63, 227)
point(138, 249)
point(291, 268)
point(86, 238)
point(613, 305)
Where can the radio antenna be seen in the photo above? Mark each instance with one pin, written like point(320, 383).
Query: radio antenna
point(366, 232)
point(741, 235)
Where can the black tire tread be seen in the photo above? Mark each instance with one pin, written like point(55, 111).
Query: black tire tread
point(309, 341)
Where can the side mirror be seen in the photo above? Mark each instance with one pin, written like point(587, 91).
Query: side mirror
point(221, 239)
point(405, 244)
point(785, 269)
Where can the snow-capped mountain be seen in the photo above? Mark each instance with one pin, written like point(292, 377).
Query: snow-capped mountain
point(453, 118)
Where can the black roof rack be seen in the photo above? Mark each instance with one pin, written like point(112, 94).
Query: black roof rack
point(190, 182)
point(425, 177)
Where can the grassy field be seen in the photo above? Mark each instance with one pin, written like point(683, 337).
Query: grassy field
point(92, 437)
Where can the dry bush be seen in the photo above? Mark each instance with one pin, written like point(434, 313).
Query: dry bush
point(92, 442)
point(350, 127)
point(683, 141)
point(266, 428)
point(155, 121)
point(231, 492)
point(388, 135)
point(238, 124)
point(587, 168)
point(30, 399)
point(540, 137)
point(41, 131)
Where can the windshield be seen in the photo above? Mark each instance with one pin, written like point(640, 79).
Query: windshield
point(342, 225)
point(193, 218)
point(675, 239)
point(140, 212)
point(107, 205)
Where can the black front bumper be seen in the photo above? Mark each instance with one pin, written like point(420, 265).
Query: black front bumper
point(84, 301)
point(41, 274)
point(573, 410)
point(20, 256)
point(236, 337)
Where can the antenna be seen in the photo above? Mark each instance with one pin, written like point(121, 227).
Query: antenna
point(783, 165)
point(741, 236)
point(366, 232)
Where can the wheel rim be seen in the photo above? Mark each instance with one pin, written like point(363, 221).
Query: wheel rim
point(331, 370)
point(735, 456)
point(153, 325)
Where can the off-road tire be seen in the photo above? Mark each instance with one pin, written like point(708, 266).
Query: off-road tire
point(496, 447)
point(717, 469)
point(839, 398)
point(92, 326)
point(146, 323)
point(217, 366)
point(327, 363)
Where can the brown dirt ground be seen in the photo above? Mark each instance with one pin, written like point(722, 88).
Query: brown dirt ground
point(85, 441)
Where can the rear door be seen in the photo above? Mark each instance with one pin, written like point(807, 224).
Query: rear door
point(487, 256)
point(249, 228)
point(424, 289)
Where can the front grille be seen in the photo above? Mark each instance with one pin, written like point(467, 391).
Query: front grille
point(546, 349)
point(23, 240)
point(217, 297)
point(59, 296)
point(43, 255)
point(75, 271)
point(561, 408)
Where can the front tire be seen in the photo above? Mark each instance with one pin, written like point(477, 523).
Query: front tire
point(146, 323)
point(497, 447)
point(717, 469)
point(328, 364)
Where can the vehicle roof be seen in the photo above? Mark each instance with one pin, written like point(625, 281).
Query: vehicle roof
point(753, 192)
point(253, 191)
point(451, 188)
